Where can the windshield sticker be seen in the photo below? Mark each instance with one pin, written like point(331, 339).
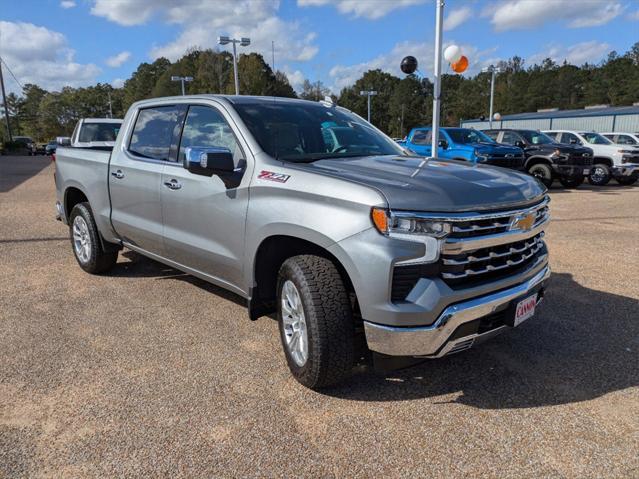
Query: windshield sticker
point(272, 176)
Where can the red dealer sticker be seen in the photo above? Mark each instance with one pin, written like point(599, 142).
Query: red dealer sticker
point(272, 176)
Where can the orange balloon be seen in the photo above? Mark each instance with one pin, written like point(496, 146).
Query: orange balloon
point(460, 65)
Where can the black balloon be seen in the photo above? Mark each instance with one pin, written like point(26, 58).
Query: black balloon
point(409, 65)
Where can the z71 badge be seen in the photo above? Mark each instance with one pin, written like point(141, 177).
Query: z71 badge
point(272, 176)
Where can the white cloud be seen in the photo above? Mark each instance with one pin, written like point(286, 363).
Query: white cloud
point(203, 21)
point(67, 4)
point(524, 14)
point(38, 55)
point(371, 9)
point(118, 82)
point(577, 54)
point(634, 16)
point(118, 60)
point(345, 75)
point(456, 17)
point(295, 78)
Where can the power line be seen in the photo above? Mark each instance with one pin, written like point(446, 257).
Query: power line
point(9, 70)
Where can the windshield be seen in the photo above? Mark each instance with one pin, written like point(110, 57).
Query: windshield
point(99, 132)
point(303, 132)
point(595, 138)
point(536, 137)
point(467, 135)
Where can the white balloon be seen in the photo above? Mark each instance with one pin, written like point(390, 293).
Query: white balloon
point(452, 53)
point(497, 116)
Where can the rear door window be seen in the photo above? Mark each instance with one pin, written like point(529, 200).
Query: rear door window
point(625, 140)
point(421, 137)
point(510, 138)
point(156, 132)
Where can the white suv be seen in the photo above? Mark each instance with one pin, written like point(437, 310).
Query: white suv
point(620, 162)
point(623, 138)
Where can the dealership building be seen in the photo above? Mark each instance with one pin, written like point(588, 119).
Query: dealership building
point(600, 118)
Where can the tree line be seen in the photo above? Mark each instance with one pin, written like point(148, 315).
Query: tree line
point(400, 104)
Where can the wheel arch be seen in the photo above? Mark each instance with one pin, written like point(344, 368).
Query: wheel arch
point(605, 160)
point(536, 160)
point(72, 196)
point(269, 256)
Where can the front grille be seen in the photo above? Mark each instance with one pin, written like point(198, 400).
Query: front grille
point(491, 263)
point(580, 160)
point(501, 160)
point(492, 225)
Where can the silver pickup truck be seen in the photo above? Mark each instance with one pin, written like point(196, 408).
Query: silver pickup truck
point(309, 212)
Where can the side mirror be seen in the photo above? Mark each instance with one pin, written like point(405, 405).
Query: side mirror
point(520, 144)
point(63, 141)
point(209, 161)
point(443, 144)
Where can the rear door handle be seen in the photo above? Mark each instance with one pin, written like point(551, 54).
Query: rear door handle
point(173, 184)
point(117, 174)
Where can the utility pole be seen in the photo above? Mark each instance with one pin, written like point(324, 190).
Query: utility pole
point(368, 94)
point(273, 55)
point(110, 105)
point(493, 70)
point(437, 76)
point(4, 102)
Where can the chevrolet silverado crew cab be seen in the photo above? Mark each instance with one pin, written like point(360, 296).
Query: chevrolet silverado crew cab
point(362, 250)
point(465, 144)
point(546, 159)
point(609, 161)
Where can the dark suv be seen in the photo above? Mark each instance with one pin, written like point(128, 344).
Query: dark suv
point(546, 159)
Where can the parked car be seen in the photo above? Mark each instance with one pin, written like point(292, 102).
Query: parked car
point(546, 159)
point(95, 133)
point(41, 148)
point(27, 143)
point(465, 144)
point(356, 247)
point(610, 161)
point(623, 139)
point(51, 147)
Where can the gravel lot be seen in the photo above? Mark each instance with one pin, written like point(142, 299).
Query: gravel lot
point(149, 372)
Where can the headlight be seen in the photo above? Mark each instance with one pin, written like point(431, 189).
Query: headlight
point(625, 152)
point(407, 227)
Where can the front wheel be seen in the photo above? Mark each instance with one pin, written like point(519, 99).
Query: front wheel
point(599, 175)
point(543, 173)
point(627, 180)
point(85, 240)
point(315, 321)
point(571, 182)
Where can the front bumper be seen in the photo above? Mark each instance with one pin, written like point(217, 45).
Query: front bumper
point(572, 170)
point(440, 338)
point(626, 169)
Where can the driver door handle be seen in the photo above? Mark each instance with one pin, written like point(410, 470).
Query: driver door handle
point(117, 174)
point(173, 184)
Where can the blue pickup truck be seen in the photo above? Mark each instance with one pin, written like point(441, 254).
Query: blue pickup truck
point(465, 144)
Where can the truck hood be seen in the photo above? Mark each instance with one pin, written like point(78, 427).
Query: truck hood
point(423, 184)
point(495, 149)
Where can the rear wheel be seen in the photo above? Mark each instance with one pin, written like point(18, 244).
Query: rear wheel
point(542, 172)
point(315, 321)
point(627, 180)
point(85, 240)
point(571, 182)
point(599, 175)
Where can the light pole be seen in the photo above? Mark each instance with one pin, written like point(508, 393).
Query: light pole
point(493, 70)
point(182, 80)
point(368, 94)
point(437, 75)
point(244, 42)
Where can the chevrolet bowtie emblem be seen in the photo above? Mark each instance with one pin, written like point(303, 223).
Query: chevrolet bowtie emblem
point(523, 222)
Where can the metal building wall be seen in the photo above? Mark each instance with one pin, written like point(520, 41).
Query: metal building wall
point(586, 123)
point(627, 123)
point(533, 124)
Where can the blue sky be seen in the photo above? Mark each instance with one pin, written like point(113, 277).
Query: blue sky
point(80, 42)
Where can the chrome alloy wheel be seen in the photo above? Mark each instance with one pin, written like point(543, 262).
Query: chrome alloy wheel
point(598, 174)
point(81, 239)
point(294, 322)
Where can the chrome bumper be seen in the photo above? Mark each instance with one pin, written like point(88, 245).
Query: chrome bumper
point(433, 341)
point(626, 169)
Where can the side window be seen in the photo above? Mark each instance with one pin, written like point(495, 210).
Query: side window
point(421, 137)
point(570, 138)
point(554, 135)
point(510, 138)
point(492, 133)
point(154, 131)
point(625, 140)
point(206, 127)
